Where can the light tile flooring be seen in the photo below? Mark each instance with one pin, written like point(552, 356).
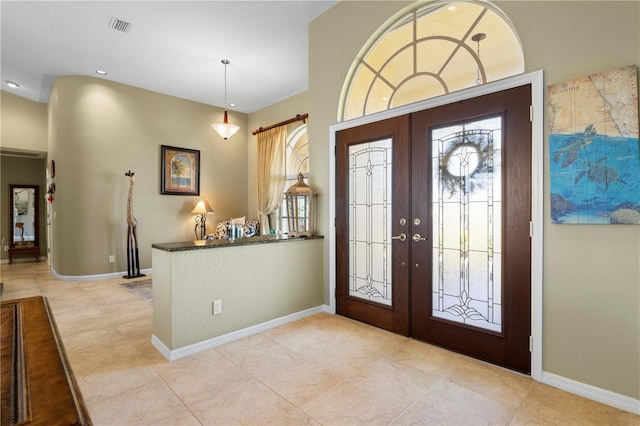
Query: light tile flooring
point(321, 370)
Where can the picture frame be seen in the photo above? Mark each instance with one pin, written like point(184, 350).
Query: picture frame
point(594, 158)
point(179, 171)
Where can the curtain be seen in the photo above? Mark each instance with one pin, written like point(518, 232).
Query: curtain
point(272, 148)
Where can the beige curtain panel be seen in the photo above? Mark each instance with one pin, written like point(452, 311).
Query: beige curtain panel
point(272, 147)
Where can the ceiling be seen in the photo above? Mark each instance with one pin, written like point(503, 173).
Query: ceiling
point(171, 47)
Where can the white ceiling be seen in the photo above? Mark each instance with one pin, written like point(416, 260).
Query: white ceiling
point(171, 47)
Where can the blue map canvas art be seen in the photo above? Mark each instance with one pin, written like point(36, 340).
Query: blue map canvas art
point(593, 148)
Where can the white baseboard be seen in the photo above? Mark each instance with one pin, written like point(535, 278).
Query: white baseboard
point(195, 348)
point(23, 260)
point(161, 347)
point(327, 309)
point(95, 277)
point(77, 277)
point(591, 392)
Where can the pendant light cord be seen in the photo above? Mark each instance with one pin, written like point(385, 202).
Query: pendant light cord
point(477, 38)
point(225, 83)
point(225, 62)
point(478, 78)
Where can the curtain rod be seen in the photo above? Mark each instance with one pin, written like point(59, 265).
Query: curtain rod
point(298, 117)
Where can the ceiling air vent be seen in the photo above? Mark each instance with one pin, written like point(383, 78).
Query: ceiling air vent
point(119, 25)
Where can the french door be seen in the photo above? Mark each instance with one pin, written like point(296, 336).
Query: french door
point(371, 246)
point(432, 226)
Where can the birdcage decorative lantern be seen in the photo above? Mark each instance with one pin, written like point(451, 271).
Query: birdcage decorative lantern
point(302, 204)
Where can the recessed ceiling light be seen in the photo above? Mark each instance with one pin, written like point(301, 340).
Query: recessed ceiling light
point(452, 7)
point(233, 105)
point(12, 84)
point(101, 72)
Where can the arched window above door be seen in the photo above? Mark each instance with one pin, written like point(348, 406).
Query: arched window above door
point(431, 49)
point(297, 157)
point(296, 161)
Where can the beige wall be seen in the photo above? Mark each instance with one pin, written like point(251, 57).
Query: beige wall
point(273, 114)
point(23, 123)
point(591, 273)
point(253, 289)
point(98, 130)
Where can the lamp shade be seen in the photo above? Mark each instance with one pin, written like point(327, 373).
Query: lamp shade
point(225, 129)
point(202, 208)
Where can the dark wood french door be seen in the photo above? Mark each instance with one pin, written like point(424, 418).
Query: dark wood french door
point(371, 245)
point(433, 226)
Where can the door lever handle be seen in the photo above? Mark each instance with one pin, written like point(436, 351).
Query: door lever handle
point(400, 237)
point(417, 237)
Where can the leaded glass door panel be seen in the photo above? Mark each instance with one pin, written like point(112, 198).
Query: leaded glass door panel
point(371, 210)
point(466, 209)
point(471, 190)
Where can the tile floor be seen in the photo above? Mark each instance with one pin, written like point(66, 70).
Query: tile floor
point(325, 370)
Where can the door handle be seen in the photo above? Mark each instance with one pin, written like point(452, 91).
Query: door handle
point(417, 237)
point(400, 237)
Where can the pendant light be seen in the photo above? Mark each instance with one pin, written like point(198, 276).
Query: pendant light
point(225, 129)
point(478, 38)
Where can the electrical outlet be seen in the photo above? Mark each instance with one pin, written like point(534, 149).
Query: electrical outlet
point(112, 258)
point(217, 307)
point(6, 248)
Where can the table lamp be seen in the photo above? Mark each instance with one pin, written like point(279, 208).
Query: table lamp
point(201, 210)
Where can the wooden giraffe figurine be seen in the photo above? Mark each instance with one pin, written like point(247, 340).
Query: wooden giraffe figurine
point(133, 260)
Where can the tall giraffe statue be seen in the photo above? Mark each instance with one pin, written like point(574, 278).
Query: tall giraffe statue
point(133, 260)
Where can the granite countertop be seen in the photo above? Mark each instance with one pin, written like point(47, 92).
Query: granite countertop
point(206, 244)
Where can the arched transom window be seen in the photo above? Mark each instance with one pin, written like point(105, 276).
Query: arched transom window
point(428, 50)
point(297, 161)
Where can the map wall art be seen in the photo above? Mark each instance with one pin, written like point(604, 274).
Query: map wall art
point(593, 149)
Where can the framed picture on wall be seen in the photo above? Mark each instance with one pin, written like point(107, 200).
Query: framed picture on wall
point(180, 171)
point(593, 146)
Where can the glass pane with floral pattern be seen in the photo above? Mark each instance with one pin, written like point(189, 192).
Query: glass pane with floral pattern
point(370, 196)
point(466, 222)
